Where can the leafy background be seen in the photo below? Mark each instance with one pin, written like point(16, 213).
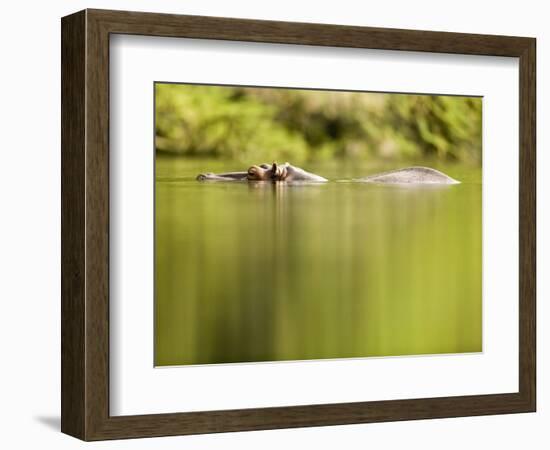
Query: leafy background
point(249, 124)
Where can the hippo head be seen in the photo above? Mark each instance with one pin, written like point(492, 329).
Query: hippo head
point(267, 172)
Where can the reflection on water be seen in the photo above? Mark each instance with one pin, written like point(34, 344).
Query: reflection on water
point(263, 272)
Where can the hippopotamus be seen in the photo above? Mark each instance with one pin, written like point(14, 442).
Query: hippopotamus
point(416, 175)
point(265, 172)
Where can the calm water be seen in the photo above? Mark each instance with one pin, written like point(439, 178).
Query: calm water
point(262, 272)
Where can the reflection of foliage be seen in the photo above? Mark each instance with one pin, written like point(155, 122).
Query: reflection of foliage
point(256, 124)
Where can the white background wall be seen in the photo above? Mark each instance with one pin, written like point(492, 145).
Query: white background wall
point(30, 220)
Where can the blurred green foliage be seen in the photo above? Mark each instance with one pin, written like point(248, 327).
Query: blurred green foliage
point(257, 124)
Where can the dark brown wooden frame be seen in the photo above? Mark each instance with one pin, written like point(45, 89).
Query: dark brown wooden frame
point(85, 224)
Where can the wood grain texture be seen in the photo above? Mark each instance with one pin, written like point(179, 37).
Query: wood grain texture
point(73, 109)
point(85, 224)
point(152, 24)
point(527, 224)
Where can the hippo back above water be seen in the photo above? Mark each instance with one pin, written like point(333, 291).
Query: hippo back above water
point(410, 175)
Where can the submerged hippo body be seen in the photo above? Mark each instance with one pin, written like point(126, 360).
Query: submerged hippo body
point(287, 172)
point(228, 176)
point(410, 175)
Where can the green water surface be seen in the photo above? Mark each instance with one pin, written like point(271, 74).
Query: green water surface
point(264, 272)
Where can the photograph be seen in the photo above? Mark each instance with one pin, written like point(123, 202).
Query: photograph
point(259, 226)
point(297, 224)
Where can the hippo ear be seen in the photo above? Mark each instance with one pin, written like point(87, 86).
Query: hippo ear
point(274, 167)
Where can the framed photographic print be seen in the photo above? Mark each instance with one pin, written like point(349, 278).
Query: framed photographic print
point(273, 225)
